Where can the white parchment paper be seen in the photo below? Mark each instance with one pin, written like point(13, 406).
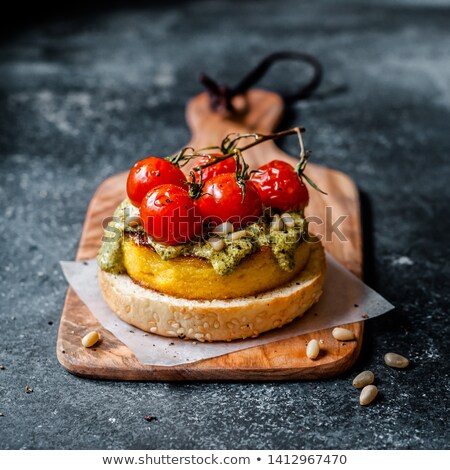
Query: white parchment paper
point(345, 299)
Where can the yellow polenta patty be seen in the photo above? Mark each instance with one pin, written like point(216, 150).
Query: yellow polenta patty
point(191, 277)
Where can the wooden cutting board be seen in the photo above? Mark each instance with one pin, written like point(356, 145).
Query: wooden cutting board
point(282, 360)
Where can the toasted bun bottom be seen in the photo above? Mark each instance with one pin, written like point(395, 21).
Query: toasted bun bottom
point(215, 320)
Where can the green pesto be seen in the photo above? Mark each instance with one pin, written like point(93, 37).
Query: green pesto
point(283, 243)
point(225, 261)
point(110, 255)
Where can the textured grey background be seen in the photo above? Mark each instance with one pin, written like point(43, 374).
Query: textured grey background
point(85, 95)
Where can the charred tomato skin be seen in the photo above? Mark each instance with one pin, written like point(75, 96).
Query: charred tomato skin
point(225, 166)
point(148, 173)
point(280, 187)
point(169, 215)
point(222, 201)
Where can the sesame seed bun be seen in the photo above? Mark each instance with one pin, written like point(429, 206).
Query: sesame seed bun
point(215, 320)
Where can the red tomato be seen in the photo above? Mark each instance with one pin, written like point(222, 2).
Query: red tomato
point(149, 173)
point(225, 166)
point(222, 201)
point(170, 216)
point(280, 187)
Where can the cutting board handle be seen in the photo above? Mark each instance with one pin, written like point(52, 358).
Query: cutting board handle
point(243, 109)
point(258, 111)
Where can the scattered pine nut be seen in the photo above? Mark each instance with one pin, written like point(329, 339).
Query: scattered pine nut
point(396, 360)
point(288, 220)
point(223, 229)
point(277, 223)
point(134, 221)
point(28, 389)
point(343, 334)
point(368, 394)
point(217, 243)
point(91, 339)
point(364, 378)
point(313, 349)
point(237, 235)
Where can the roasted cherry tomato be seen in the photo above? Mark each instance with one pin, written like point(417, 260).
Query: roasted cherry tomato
point(225, 166)
point(149, 173)
point(280, 187)
point(170, 216)
point(222, 201)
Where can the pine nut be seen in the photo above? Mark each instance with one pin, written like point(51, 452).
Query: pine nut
point(223, 229)
point(343, 334)
point(277, 223)
point(288, 220)
point(364, 378)
point(368, 394)
point(396, 360)
point(313, 349)
point(134, 221)
point(91, 339)
point(217, 243)
point(237, 235)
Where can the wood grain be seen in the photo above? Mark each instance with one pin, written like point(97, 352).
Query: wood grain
point(282, 360)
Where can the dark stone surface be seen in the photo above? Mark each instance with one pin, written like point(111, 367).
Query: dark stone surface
point(84, 97)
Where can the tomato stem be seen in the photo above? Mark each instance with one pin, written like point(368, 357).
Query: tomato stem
point(228, 145)
point(301, 165)
point(230, 149)
point(195, 189)
point(180, 159)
